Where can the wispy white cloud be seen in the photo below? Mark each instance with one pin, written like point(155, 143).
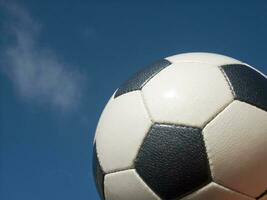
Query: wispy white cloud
point(37, 73)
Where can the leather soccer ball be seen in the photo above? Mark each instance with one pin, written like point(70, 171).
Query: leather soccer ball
point(191, 126)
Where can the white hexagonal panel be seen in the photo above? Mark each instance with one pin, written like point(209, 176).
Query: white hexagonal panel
point(210, 58)
point(236, 142)
point(187, 93)
point(214, 191)
point(120, 132)
point(127, 185)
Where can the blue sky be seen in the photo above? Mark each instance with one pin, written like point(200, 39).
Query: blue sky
point(60, 62)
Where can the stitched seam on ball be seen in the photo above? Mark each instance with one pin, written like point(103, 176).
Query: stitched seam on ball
point(139, 177)
point(208, 150)
point(258, 108)
point(147, 80)
point(216, 114)
point(208, 155)
point(233, 190)
point(177, 125)
point(152, 123)
point(146, 106)
point(156, 73)
point(119, 170)
point(228, 81)
point(148, 188)
point(189, 128)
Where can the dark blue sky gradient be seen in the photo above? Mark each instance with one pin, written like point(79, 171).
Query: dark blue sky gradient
point(45, 153)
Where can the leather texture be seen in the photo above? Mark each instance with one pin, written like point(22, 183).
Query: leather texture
point(137, 81)
point(247, 84)
point(121, 130)
point(173, 160)
point(186, 121)
point(236, 142)
point(187, 93)
point(214, 191)
point(127, 185)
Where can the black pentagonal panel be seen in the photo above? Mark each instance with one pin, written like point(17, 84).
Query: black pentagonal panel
point(137, 81)
point(248, 85)
point(173, 161)
point(98, 174)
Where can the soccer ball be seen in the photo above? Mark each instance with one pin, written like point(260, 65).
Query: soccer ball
point(191, 126)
